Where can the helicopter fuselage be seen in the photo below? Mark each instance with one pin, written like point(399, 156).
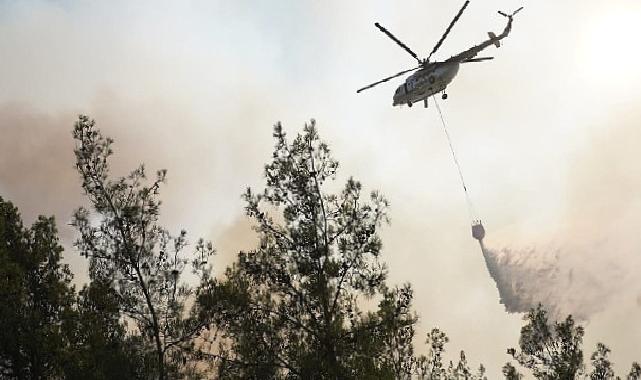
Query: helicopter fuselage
point(428, 81)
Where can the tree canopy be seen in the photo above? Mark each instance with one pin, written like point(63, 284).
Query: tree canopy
point(141, 261)
point(293, 304)
point(36, 293)
point(310, 301)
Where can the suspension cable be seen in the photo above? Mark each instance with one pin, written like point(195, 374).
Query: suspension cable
point(468, 200)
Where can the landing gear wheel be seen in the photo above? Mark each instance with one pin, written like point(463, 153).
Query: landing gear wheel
point(444, 96)
point(409, 104)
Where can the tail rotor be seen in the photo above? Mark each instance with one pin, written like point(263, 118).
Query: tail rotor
point(511, 15)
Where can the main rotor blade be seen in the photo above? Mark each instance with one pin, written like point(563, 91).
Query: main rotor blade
point(390, 35)
point(449, 28)
point(386, 79)
point(480, 59)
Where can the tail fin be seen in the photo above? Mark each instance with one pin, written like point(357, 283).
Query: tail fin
point(497, 43)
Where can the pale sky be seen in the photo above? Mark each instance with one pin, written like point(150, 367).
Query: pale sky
point(546, 133)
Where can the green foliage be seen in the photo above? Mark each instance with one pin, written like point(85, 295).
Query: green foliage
point(101, 347)
point(292, 306)
point(601, 365)
point(395, 331)
point(49, 331)
point(551, 351)
point(139, 259)
point(311, 301)
point(511, 373)
point(463, 372)
point(430, 366)
point(35, 294)
point(635, 372)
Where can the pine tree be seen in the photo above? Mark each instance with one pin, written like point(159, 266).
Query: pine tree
point(36, 296)
point(601, 365)
point(510, 372)
point(129, 250)
point(292, 307)
point(551, 350)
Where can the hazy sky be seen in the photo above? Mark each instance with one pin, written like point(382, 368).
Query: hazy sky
point(547, 133)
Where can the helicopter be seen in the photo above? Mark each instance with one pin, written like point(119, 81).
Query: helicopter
point(434, 77)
